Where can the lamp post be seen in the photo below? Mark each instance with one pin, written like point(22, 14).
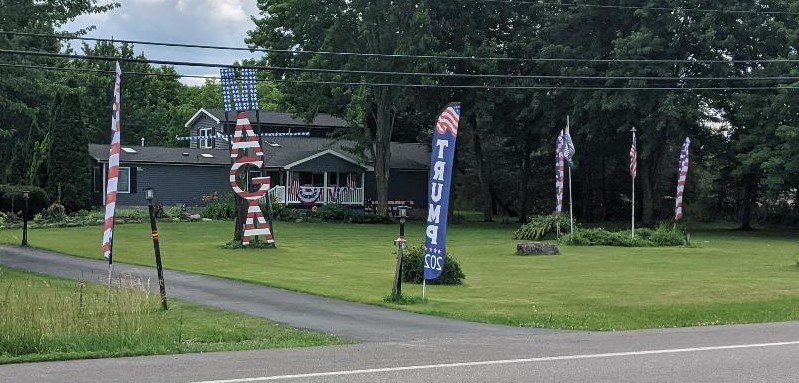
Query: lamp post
point(149, 193)
point(396, 291)
point(26, 195)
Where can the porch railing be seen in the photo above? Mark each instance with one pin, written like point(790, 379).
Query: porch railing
point(318, 194)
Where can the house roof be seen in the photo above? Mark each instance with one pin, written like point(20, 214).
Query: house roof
point(164, 155)
point(321, 120)
point(279, 152)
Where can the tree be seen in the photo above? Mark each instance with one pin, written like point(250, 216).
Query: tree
point(26, 94)
point(382, 27)
point(68, 178)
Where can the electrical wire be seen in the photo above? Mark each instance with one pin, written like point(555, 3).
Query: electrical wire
point(440, 86)
point(629, 7)
point(390, 73)
point(405, 56)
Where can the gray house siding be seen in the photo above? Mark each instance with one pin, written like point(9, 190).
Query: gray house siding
point(175, 184)
point(328, 163)
point(205, 122)
point(403, 185)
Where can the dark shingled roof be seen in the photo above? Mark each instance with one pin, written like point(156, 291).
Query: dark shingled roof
point(290, 150)
point(321, 120)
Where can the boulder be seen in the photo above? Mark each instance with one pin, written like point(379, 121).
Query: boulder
point(195, 217)
point(536, 248)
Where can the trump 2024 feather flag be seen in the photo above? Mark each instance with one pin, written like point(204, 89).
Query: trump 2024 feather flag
point(113, 171)
point(678, 213)
point(444, 137)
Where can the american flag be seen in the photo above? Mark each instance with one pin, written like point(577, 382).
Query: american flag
point(448, 120)
point(568, 146)
point(559, 175)
point(295, 186)
point(633, 158)
point(351, 184)
point(678, 208)
point(113, 170)
point(227, 78)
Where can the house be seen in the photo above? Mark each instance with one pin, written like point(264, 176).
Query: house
point(305, 166)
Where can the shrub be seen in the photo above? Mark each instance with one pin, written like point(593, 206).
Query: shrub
point(413, 268)
point(542, 227)
point(54, 213)
point(333, 212)
point(664, 235)
point(12, 199)
point(372, 218)
point(220, 208)
point(176, 212)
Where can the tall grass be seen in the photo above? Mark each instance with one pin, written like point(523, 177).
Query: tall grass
point(39, 318)
point(51, 319)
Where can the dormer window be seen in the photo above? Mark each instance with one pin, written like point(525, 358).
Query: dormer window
point(206, 138)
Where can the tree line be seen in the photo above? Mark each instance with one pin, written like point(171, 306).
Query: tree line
point(722, 72)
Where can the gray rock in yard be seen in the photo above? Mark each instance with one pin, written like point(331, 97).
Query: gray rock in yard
point(536, 248)
point(195, 217)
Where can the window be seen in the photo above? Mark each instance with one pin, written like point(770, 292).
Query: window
point(123, 182)
point(97, 179)
point(206, 138)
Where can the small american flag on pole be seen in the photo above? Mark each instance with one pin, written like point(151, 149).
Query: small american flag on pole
point(295, 186)
point(678, 207)
point(633, 158)
point(351, 183)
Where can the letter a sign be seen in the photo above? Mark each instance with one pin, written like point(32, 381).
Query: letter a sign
point(444, 136)
point(246, 150)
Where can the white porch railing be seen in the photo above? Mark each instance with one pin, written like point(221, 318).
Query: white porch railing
point(318, 194)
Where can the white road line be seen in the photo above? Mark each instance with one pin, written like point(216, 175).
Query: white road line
point(498, 362)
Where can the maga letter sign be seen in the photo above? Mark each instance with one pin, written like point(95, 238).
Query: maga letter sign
point(444, 136)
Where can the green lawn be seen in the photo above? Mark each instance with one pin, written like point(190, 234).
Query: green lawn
point(727, 277)
point(47, 318)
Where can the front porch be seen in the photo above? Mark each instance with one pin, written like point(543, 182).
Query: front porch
point(313, 188)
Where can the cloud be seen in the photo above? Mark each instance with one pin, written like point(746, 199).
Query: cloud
point(205, 22)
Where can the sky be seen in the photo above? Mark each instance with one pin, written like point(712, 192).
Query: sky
point(206, 22)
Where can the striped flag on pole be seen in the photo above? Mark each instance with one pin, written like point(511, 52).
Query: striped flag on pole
point(568, 146)
point(633, 158)
point(351, 181)
point(678, 212)
point(559, 174)
point(113, 170)
point(295, 186)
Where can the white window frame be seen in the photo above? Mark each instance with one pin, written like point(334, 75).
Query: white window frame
point(207, 142)
point(123, 170)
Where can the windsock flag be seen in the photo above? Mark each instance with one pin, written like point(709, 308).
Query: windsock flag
point(444, 136)
point(113, 170)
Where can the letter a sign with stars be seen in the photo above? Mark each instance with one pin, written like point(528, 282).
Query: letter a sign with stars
point(444, 136)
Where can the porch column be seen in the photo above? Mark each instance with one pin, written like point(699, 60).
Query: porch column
point(324, 191)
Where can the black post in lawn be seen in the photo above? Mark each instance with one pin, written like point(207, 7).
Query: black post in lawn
point(396, 291)
point(149, 194)
point(25, 195)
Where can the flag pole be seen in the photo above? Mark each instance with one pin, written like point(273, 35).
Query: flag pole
point(571, 202)
point(632, 214)
point(423, 288)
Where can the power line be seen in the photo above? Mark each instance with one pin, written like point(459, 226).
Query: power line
point(440, 86)
point(629, 7)
point(406, 56)
point(391, 73)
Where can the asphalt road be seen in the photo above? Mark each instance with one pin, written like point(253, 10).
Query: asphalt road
point(397, 346)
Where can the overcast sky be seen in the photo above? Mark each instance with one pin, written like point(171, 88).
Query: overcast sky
point(207, 22)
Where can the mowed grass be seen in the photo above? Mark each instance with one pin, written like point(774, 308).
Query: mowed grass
point(727, 277)
point(46, 318)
